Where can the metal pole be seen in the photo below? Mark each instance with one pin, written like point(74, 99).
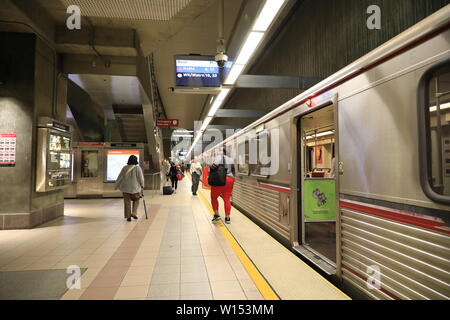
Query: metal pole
point(221, 19)
point(439, 138)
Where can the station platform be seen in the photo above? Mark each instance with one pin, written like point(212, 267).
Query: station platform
point(178, 253)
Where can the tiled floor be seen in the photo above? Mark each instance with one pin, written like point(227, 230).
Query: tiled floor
point(176, 254)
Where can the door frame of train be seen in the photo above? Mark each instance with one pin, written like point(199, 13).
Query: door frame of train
point(297, 178)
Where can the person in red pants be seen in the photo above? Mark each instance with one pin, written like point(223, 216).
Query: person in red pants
point(223, 191)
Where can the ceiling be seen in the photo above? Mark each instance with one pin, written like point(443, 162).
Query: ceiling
point(111, 90)
point(137, 9)
point(164, 28)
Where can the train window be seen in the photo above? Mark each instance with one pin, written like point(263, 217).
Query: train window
point(243, 167)
point(261, 143)
point(434, 130)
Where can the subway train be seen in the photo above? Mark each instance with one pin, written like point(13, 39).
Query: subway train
point(362, 189)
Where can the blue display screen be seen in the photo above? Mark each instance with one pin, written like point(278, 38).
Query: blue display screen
point(197, 73)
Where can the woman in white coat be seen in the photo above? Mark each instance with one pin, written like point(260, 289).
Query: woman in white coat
point(131, 183)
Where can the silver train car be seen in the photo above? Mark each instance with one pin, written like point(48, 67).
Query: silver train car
point(362, 189)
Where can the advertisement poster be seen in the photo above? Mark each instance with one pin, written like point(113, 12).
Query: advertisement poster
point(116, 160)
point(7, 149)
point(318, 151)
point(319, 200)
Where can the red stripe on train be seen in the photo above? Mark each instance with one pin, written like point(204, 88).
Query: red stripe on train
point(267, 186)
point(276, 188)
point(399, 216)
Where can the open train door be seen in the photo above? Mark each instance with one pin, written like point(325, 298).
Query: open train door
point(318, 187)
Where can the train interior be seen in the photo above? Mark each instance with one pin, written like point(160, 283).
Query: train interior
point(439, 105)
point(318, 183)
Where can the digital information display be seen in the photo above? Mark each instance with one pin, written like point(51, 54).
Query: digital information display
point(116, 160)
point(197, 73)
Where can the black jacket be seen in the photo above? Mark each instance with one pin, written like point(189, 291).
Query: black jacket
point(173, 172)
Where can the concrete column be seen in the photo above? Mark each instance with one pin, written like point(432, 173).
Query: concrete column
point(27, 94)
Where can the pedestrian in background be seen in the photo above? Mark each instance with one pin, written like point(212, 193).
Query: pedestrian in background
point(173, 172)
point(196, 173)
point(131, 182)
point(225, 190)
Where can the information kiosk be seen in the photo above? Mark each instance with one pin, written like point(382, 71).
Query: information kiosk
point(54, 155)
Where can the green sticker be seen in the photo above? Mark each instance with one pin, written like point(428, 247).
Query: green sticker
point(319, 200)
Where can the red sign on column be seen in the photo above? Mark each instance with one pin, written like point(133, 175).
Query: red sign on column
point(7, 149)
point(167, 123)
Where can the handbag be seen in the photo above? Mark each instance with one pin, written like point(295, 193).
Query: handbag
point(217, 175)
point(179, 176)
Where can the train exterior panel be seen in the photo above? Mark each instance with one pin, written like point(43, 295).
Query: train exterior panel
point(390, 239)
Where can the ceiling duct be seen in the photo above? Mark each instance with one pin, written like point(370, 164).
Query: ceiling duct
point(159, 10)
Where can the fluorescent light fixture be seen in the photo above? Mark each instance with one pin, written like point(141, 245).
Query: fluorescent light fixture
point(267, 15)
point(183, 136)
point(250, 45)
point(216, 105)
point(205, 123)
point(326, 133)
point(182, 131)
point(442, 107)
point(235, 72)
point(223, 94)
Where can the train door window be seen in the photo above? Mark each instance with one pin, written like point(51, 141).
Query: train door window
point(243, 167)
point(261, 147)
point(318, 183)
point(434, 115)
point(89, 164)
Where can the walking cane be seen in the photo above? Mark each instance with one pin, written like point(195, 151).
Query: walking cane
point(145, 207)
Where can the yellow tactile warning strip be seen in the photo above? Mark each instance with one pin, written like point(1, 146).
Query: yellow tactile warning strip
point(317, 275)
point(263, 286)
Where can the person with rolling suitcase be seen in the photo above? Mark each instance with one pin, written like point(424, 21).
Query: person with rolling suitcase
point(173, 172)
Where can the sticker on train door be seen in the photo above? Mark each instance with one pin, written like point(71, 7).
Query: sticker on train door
point(319, 200)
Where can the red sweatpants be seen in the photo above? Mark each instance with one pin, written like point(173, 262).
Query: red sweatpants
point(225, 192)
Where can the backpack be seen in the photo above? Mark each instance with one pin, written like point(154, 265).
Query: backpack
point(217, 175)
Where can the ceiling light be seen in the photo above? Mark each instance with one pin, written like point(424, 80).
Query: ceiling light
point(234, 74)
point(183, 136)
point(442, 107)
point(326, 133)
point(267, 15)
point(250, 45)
point(223, 94)
point(205, 123)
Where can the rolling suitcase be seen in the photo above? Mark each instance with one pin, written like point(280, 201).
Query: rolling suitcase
point(167, 190)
